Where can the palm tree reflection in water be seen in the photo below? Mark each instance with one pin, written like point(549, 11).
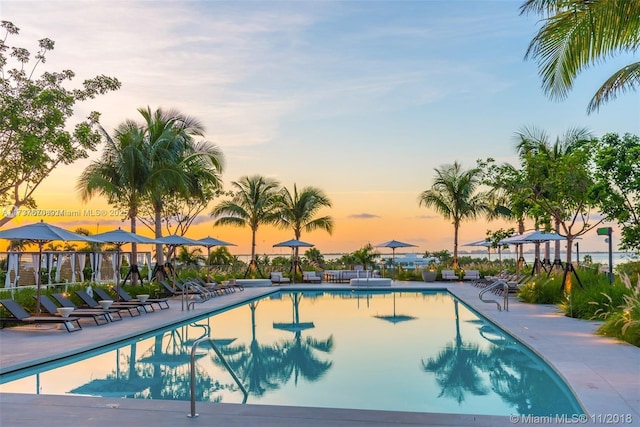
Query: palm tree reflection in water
point(298, 357)
point(514, 374)
point(263, 368)
point(458, 367)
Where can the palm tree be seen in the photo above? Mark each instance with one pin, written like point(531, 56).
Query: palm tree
point(121, 174)
point(298, 211)
point(253, 204)
point(542, 161)
point(454, 194)
point(577, 34)
point(178, 164)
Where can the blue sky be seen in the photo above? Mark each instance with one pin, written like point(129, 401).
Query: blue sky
point(362, 99)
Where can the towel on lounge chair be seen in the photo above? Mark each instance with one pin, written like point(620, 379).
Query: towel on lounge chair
point(20, 315)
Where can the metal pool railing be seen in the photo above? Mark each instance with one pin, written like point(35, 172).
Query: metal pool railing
point(193, 413)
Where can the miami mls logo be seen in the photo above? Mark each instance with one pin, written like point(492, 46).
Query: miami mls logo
point(10, 211)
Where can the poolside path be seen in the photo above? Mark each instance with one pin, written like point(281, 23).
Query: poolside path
point(604, 374)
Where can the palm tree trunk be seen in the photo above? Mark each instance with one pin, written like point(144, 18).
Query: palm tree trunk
point(253, 248)
point(133, 213)
point(557, 249)
point(456, 226)
point(158, 231)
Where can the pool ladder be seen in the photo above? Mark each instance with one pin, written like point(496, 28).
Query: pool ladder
point(193, 413)
point(505, 294)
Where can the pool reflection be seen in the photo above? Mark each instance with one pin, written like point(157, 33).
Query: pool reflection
point(431, 353)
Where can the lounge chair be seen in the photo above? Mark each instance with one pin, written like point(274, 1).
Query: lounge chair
point(66, 302)
point(103, 295)
point(20, 315)
point(168, 290)
point(162, 302)
point(276, 277)
point(91, 303)
point(99, 316)
point(471, 275)
point(311, 277)
point(449, 275)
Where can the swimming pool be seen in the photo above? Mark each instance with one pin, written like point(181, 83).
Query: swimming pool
point(405, 351)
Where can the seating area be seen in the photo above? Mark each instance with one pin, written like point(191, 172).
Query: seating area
point(471, 275)
point(449, 275)
point(345, 276)
point(278, 278)
point(311, 277)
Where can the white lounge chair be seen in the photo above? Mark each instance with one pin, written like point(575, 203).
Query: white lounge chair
point(311, 277)
point(449, 275)
point(276, 277)
point(471, 275)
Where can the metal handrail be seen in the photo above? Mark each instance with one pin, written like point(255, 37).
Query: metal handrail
point(494, 285)
point(192, 365)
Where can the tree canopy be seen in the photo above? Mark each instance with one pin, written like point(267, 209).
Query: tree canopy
point(34, 114)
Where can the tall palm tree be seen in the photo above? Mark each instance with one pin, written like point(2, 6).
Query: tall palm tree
point(579, 33)
point(297, 211)
point(122, 172)
point(254, 203)
point(179, 164)
point(454, 194)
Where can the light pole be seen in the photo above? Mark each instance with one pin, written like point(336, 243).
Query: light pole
point(607, 231)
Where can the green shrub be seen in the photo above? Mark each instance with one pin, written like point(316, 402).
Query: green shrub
point(542, 291)
point(594, 297)
point(624, 323)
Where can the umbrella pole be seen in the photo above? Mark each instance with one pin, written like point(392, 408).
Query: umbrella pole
point(38, 278)
point(118, 273)
point(293, 265)
point(393, 263)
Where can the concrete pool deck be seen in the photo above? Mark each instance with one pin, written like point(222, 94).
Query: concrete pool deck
point(603, 373)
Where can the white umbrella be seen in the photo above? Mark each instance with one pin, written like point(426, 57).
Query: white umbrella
point(210, 242)
point(482, 243)
point(41, 233)
point(293, 244)
point(174, 241)
point(393, 244)
point(120, 237)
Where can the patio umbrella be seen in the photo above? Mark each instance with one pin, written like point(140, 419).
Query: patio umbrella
point(393, 244)
point(538, 237)
point(120, 237)
point(41, 233)
point(293, 244)
point(173, 241)
point(395, 318)
point(482, 243)
point(210, 242)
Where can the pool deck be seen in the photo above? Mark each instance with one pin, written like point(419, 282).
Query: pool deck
point(603, 373)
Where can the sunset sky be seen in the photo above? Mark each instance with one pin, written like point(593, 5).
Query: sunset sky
point(360, 98)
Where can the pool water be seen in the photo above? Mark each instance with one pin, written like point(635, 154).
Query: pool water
point(404, 351)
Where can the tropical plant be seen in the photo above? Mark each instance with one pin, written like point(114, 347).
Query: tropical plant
point(297, 211)
point(365, 256)
point(180, 167)
point(121, 174)
point(618, 179)
point(577, 34)
point(34, 133)
point(624, 323)
point(455, 195)
point(560, 180)
point(254, 203)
